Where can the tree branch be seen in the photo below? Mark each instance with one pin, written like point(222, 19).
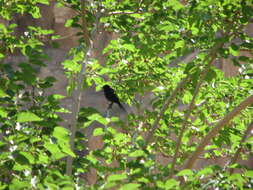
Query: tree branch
point(237, 154)
point(187, 115)
point(84, 24)
point(78, 91)
point(164, 108)
point(211, 56)
point(205, 141)
point(125, 13)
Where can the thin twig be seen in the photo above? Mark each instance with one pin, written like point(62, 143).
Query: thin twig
point(125, 13)
point(69, 6)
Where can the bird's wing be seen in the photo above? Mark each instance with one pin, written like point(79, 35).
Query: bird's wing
point(111, 91)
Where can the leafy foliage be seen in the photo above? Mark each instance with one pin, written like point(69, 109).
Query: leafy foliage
point(151, 55)
point(30, 148)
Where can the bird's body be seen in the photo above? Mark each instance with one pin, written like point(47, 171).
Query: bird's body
point(111, 96)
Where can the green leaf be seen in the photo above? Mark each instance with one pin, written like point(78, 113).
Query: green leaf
point(92, 159)
point(54, 150)
point(61, 133)
point(43, 2)
point(167, 26)
point(205, 171)
point(99, 118)
point(110, 185)
point(98, 132)
point(3, 28)
point(35, 12)
point(175, 4)
point(179, 44)
point(71, 65)
point(171, 184)
point(121, 137)
point(116, 177)
point(187, 97)
point(1, 56)
point(66, 149)
point(137, 153)
point(21, 158)
point(249, 173)
point(211, 74)
point(27, 117)
point(244, 58)
point(42, 158)
point(247, 45)
point(3, 113)
point(160, 184)
point(28, 156)
point(69, 23)
point(19, 167)
point(143, 180)
point(58, 96)
point(194, 30)
point(17, 184)
point(186, 172)
point(129, 47)
point(2, 93)
point(233, 51)
point(130, 186)
point(3, 187)
point(237, 179)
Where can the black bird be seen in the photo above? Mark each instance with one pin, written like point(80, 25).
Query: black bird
point(111, 96)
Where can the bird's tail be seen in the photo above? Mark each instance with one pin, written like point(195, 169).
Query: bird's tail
point(120, 105)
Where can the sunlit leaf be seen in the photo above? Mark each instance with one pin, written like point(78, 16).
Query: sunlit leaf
point(137, 153)
point(2, 93)
point(98, 131)
point(130, 186)
point(61, 133)
point(3, 112)
point(99, 118)
point(171, 184)
point(27, 117)
point(249, 173)
point(186, 172)
point(116, 177)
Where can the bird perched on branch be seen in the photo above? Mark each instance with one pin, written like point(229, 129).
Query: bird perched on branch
point(111, 97)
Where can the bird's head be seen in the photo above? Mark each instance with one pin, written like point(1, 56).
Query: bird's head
point(105, 87)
